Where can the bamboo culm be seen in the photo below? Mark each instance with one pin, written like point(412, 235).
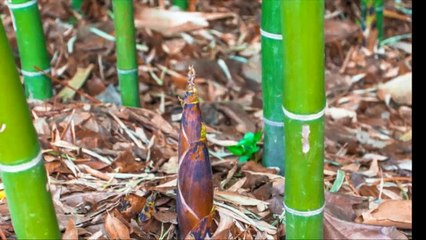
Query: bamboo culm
point(272, 81)
point(378, 9)
point(363, 10)
point(32, 48)
point(127, 67)
point(303, 106)
point(21, 163)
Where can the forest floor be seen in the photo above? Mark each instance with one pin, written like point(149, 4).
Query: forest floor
point(112, 169)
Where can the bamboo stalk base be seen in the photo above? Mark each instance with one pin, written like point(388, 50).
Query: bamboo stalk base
point(37, 219)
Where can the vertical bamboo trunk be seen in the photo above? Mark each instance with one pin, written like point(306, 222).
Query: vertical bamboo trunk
point(304, 106)
point(363, 9)
point(181, 4)
point(32, 48)
point(76, 5)
point(21, 162)
point(378, 7)
point(272, 74)
point(194, 200)
point(127, 67)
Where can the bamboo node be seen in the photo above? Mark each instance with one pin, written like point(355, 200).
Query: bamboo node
point(272, 122)
point(126, 71)
point(23, 166)
point(274, 36)
point(13, 6)
point(304, 213)
point(37, 73)
point(304, 117)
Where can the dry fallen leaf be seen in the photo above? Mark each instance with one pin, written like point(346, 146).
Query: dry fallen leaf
point(115, 229)
point(241, 200)
point(224, 227)
point(396, 213)
point(256, 167)
point(76, 82)
point(71, 231)
point(336, 30)
point(399, 89)
point(373, 170)
point(340, 113)
point(335, 228)
point(170, 22)
point(166, 217)
point(171, 166)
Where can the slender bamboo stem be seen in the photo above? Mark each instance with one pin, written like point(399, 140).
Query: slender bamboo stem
point(76, 5)
point(21, 164)
point(272, 74)
point(378, 8)
point(303, 105)
point(363, 9)
point(32, 48)
point(127, 67)
point(181, 4)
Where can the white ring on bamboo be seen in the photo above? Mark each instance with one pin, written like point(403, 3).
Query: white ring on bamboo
point(304, 117)
point(126, 71)
point(272, 123)
point(274, 36)
point(35, 74)
point(13, 6)
point(23, 166)
point(304, 213)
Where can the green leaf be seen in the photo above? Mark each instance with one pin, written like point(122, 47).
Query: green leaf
point(237, 150)
point(246, 146)
point(249, 137)
point(257, 136)
point(340, 177)
point(244, 158)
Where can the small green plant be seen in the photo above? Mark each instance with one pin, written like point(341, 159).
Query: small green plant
point(247, 146)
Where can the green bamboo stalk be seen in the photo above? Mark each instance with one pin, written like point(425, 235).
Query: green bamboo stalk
point(181, 4)
point(21, 163)
point(369, 15)
point(127, 67)
point(378, 8)
point(272, 74)
point(32, 48)
point(76, 5)
point(363, 9)
point(303, 105)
